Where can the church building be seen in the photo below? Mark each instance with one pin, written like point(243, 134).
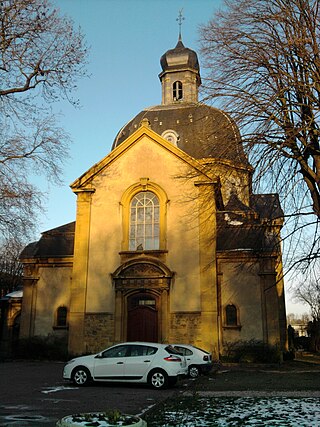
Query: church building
point(169, 243)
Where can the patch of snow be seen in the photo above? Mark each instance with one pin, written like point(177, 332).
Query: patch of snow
point(15, 294)
point(247, 411)
point(55, 389)
point(230, 221)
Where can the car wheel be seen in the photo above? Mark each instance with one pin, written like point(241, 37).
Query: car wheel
point(158, 379)
point(194, 371)
point(81, 376)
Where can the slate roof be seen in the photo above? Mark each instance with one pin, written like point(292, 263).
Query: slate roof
point(204, 131)
point(267, 205)
point(249, 229)
point(169, 61)
point(57, 242)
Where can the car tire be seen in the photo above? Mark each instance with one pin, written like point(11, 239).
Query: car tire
point(194, 371)
point(81, 376)
point(158, 379)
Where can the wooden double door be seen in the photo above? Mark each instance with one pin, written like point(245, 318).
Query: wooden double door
point(142, 319)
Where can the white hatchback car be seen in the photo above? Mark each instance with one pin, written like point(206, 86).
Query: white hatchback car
point(199, 361)
point(158, 365)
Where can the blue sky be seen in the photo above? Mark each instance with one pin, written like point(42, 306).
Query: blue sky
point(126, 39)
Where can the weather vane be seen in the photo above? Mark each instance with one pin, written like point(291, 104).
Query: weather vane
point(180, 19)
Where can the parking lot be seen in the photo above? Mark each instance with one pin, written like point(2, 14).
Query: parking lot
point(34, 394)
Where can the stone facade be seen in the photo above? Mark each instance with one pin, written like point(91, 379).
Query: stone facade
point(98, 331)
point(185, 327)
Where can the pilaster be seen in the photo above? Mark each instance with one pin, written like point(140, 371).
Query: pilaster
point(80, 273)
point(208, 270)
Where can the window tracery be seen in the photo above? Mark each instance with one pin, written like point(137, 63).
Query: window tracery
point(144, 228)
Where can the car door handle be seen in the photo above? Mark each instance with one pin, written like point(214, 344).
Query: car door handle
point(146, 361)
point(119, 363)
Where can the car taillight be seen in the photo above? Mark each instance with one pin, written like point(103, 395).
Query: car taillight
point(172, 359)
point(206, 358)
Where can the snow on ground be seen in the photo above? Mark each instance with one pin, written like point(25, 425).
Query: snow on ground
point(244, 411)
point(55, 389)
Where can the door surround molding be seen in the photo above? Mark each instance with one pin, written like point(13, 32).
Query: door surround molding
point(137, 276)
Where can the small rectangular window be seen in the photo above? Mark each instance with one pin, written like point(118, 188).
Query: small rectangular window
point(62, 315)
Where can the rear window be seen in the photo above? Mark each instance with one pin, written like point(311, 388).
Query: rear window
point(183, 350)
point(171, 350)
point(141, 350)
point(201, 349)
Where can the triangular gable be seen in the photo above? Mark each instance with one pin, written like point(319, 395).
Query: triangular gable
point(143, 131)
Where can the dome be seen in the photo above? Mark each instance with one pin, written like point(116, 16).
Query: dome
point(201, 131)
point(179, 57)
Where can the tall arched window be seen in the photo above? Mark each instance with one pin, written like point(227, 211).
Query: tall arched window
point(177, 91)
point(144, 230)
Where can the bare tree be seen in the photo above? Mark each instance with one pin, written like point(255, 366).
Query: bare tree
point(263, 63)
point(42, 56)
point(10, 267)
point(308, 293)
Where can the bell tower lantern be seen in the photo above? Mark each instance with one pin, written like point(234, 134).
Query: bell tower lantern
point(180, 76)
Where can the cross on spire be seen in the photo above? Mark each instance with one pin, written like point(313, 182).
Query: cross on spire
point(180, 19)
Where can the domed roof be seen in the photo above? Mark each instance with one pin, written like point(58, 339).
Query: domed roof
point(179, 57)
point(198, 129)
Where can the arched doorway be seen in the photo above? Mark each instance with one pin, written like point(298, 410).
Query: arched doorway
point(142, 287)
point(142, 318)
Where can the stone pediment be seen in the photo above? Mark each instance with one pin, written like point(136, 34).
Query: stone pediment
point(84, 182)
point(142, 275)
point(142, 270)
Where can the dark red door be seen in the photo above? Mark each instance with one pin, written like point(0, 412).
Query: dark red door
point(142, 324)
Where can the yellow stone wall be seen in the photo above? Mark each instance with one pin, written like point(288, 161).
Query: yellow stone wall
point(101, 235)
point(45, 289)
point(182, 229)
point(51, 297)
point(233, 178)
point(98, 331)
point(240, 285)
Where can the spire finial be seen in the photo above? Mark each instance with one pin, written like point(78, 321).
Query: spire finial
point(180, 19)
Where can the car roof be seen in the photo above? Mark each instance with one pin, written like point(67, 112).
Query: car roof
point(141, 343)
point(190, 346)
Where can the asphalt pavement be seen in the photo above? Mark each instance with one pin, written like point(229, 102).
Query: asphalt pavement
point(34, 393)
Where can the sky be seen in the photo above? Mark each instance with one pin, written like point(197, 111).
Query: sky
point(126, 40)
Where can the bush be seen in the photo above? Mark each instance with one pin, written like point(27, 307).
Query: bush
point(252, 351)
point(42, 347)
